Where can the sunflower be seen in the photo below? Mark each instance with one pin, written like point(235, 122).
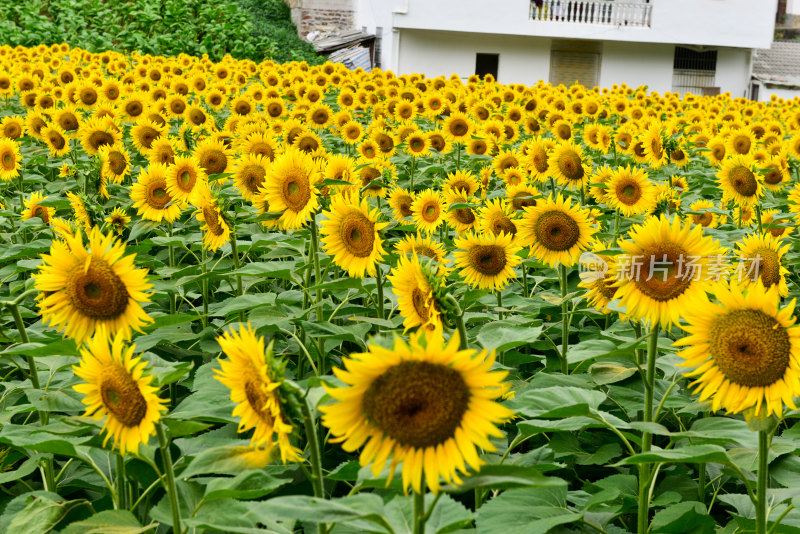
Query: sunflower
point(439, 142)
point(629, 191)
point(425, 404)
point(213, 156)
point(290, 188)
point(461, 218)
point(350, 234)
point(496, 217)
point(118, 220)
point(478, 146)
point(352, 132)
point(259, 144)
point(250, 175)
point(97, 132)
point(12, 127)
point(428, 210)
point(423, 245)
point(657, 157)
point(10, 159)
point(417, 144)
point(83, 289)
point(537, 159)
point(458, 126)
point(760, 261)
point(505, 160)
point(216, 231)
point(412, 285)
point(117, 389)
point(56, 139)
point(33, 208)
point(704, 217)
point(250, 373)
point(776, 172)
point(715, 150)
point(601, 285)
point(144, 132)
point(151, 197)
point(555, 231)
point(740, 142)
point(115, 162)
point(739, 181)
point(79, 208)
point(487, 261)
point(68, 119)
point(666, 268)
point(186, 180)
point(744, 351)
point(565, 164)
point(461, 183)
point(522, 196)
point(400, 200)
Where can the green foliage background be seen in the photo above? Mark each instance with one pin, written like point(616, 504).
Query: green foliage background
point(245, 29)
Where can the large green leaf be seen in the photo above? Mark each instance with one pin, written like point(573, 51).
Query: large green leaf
point(504, 335)
point(526, 511)
point(690, 454)
point(108, 522)
point(556, 402)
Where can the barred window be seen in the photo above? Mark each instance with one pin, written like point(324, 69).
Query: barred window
point(694, 72)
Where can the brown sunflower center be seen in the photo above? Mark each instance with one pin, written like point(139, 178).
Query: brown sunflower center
point(555, 230)
point(539, 158)
point(668, 281)
point(212, 220)
point(99, 138)
point(503, 224)
point(638, 149)
point(147, 135)
point(296, 190)
point(741, 144)
point(459, 127)
point(9, 162)
point(40, 211)
point(308, 144)
point(97, 291)
point(718, 151)
point(773, 176)
point(274, 109)
point(430, 212)
point(419, 299)
point(508, 162)
point(197, 116)
point(121, 395)
point(703, 219)
point(419, 404)
point(404, 205)
point(479, 147)
point(257, 399)
point(750, 348)
point(464, 215)
point(56, 139)
point(570, 165)
point(12, 130)
point(522, 200)
point(177, 106)
point(743, 181)
point(437, 142)
point(116, 162)
point(68, 121)
point(628, 192)
point(134, 109)
point(156, 194)
point(357, 233)
point(563, 131)
point(767, 266)
point(263, 149)
point(214, 161)
point(489, 260)
point(253, 178)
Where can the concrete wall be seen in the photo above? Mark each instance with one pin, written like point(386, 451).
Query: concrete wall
point(527, 60)
point(739, 23)
point(765, 93)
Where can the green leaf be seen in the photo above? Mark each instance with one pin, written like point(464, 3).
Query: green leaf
point(246, 485)
point(108, 522)
point(447, 516)
point(281, 269)
point(41, 513)
point(556, 402)
point(610, 372)
point(241, 303)
point(526, 511)
point(504, 335)
point(689, 454)
point(688, 517)
point(506, 476)
point(228, 459)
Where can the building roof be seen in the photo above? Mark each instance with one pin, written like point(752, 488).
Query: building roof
point(779, 64)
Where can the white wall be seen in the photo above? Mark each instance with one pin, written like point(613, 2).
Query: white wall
point(793, 7)
point(733, 71)
point(764, 93)
point(740, 23)
point(373, 14)
point(522, 59)
point(640, 64)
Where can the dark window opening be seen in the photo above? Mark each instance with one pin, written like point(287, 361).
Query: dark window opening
point(486, 64)
point(694, 71)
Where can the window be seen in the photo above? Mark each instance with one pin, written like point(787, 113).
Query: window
point(694, 72)
point(575, 61)
point(486, 64)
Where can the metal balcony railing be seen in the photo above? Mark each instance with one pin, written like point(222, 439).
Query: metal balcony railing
point(605, 12)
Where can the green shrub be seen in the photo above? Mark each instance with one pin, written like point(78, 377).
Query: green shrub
point(249, 29)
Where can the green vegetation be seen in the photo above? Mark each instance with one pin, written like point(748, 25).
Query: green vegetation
point(247, 29)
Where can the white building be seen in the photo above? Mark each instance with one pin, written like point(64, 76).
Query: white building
point(702, 46)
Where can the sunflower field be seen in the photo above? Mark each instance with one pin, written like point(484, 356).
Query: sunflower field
point(247, 297)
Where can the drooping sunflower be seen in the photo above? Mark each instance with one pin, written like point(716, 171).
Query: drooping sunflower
point(150, 196)
point(250, 375)
point(744, 351)
point(290, 188)
point(400, 200)
point(461, 218)
point(423, 245)
point(704, 217)
point(657, 157)
point(33, 208)
point(761, 261)
point(666, 269)
point(351, 234)
point(117, 389)
point(487, 261)
point(629, 191)
point(565, 164)
point(497, 217)
point(10, 159)
point(425, 404)
point(739, 181)
point(118, 220)
point(250, 174)
point(413, 286)
point(56, 139)
point(555, 231)
point(216, 231)
point(115, 162)
point(86, 288)
point(428, 210)
point(776, 172)
point(80, 211)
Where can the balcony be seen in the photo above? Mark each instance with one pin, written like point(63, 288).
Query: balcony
point(597, 12)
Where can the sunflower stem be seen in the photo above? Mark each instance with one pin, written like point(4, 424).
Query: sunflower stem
point(315, 259)
point(499, 304)
point(524, 280)
point(170, 487)
point(565, 318)
point(763, 482)
point(647, 437)
point(314, 456)
point(411, 174)
point(172, 296)
point(237, 265)
point(204, 267)
point(758, 219)
point(616, 227)
point(458, 156)
point(419, 512)
point(379, 282)
point(122, 496)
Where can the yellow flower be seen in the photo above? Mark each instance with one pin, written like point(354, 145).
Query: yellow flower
point(350, 234)
point(487, 261)
point(555, 231)
point(151, 197)
point(290, 188)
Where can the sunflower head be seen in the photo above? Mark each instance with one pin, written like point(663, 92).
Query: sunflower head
point(555, 231)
